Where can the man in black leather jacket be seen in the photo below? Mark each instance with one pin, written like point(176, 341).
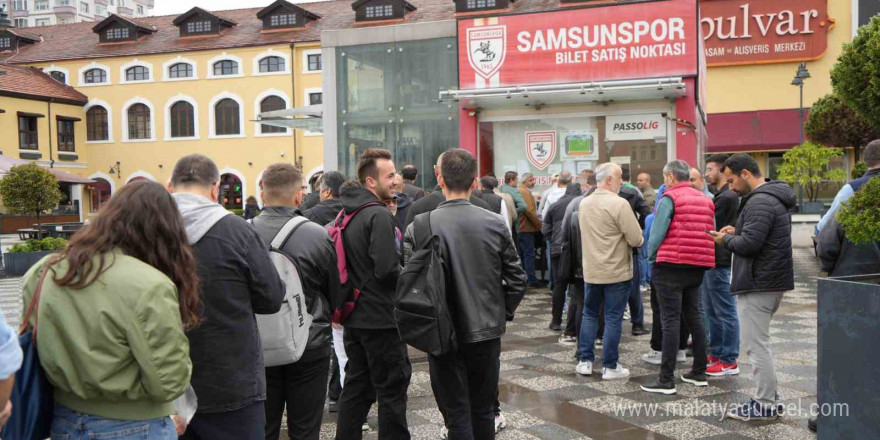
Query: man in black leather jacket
point(301, 384)
point(552, 230)
point(485, 283)
point(637, 310)
point(326, 211)
point(431, 201)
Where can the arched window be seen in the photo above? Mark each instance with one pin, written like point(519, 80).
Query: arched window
point(225, 67)
point(226, 117)
point(58, 76)
point(97, 124)
point(137, 73)
point(272, 103)
point(95, 76)
point(139, 122)
point(272, 64)
point(180, 70)
point(182, 120)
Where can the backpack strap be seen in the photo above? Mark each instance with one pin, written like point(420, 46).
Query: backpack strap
point(287, 231)
point(423, 232)
point(347, 218)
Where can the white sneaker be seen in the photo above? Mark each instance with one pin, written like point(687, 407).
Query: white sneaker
point(682, 356)
point(444, 433)
point(626, 315)
point(584, 368)
point(616, 373)
point(568, 340)
point(653, 357)
point(500, 423)
point(365, 427)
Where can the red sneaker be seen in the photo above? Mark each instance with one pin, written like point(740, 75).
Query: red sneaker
point(711, 360)
point(721, 369)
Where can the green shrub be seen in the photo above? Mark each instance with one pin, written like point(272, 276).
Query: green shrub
point(46, 244)
point(860, 169)
point(860, 216)
point(238, 212)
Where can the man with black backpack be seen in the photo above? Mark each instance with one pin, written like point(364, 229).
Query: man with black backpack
point(484, 283)
point(378, 364)
point(301, 384)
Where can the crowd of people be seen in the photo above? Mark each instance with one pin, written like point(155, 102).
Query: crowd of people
point(158, 293)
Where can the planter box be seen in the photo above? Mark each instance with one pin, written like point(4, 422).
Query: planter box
point(848, 381)
point(812, 208)
point(18, 263)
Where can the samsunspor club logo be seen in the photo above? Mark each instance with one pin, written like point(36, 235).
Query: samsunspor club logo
point(487, 47)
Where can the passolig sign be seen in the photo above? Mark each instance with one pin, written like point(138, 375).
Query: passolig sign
point(615, 42)
point(764, 31)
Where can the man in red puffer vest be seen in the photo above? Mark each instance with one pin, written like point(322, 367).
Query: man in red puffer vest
point(681, 250)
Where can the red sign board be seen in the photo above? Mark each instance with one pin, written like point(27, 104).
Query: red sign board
point(615, 42)
point(764, 31)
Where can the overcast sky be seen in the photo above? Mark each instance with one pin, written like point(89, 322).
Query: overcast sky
point(167, 7)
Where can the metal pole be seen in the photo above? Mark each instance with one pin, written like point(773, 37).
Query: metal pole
point(801, 187)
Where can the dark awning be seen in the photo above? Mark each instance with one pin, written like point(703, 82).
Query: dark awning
point(31, 115)
point(67, 118)
point(762, 130)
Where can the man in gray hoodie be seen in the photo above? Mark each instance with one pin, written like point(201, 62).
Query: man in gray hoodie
point(237, 280)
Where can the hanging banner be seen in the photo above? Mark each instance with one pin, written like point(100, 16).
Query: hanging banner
point(614, 42)
point(541, 148)
point(764, 31)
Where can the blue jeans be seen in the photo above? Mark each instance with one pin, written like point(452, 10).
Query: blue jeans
point(720, 313)
point(527, 253)
point(644, 276)
point(71, 425)
point(615, 296)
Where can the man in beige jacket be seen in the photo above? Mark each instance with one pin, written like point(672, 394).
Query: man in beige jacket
point(609, 232)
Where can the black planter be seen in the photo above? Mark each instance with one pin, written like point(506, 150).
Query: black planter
point(18, 263)
point(812, 208)
point(849, 328)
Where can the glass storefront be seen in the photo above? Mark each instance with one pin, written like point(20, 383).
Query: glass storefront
point(388, 98)
point(580, 143)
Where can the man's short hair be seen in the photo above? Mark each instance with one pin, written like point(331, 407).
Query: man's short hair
point(489, 182)
point(679, 169)
point(526, 177)
point(315, 180)
point(719, 158)
point(624, 173)
point(332, 180)
point(281, 180)
point(510, 176)
point(739, 162)
point(195, 170)
point(366, 166)
point(410, 172)
point(459, 168)
point(605, 170)
point(565, 177)
point(872, 154)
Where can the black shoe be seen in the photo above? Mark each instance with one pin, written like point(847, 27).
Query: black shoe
point(639, 330)
point(813, 423)
point(655, 386)
point(556, 327)
point(695, 379)
point(333, 406)
point(535, 286)
point(689, 352)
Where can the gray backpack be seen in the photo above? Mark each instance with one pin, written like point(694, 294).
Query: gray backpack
point(285, 334)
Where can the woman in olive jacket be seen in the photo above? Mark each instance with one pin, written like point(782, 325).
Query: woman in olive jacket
point(111, 316)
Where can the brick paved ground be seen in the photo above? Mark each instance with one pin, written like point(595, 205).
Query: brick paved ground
point(543, 398)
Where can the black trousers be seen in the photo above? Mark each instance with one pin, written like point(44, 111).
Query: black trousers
point(559, 289)
point(465, 383)
point(246, 423)
point(378, 366)
point(301, 387)
point(657, 325)
point(334, 388)
point(575, 308)
point(678, 292)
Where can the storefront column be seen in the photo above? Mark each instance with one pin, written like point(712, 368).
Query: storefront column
point(76, 195)
point(467, 130)
point(685, 136)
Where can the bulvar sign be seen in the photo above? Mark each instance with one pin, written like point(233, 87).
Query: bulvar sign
point(615, 42)
point(764, 31)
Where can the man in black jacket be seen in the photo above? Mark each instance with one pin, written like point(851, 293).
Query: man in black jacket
point(301, 384)
point(431, 201)
point(552, 230)
point(409, 174)
point(378, 364)
point(237, 280)
point(636, 307)
point(762, 271)
point(314, 196)
point(485, 283)
point(487, 194)
point(719, 306)
point(326, 211)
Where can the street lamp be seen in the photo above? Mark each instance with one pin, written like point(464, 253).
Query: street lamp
point(116, 170)
point(798, 81)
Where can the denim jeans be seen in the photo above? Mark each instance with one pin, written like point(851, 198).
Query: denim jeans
point(527, 253)
point(643, 266)
point(720, 312)
point(71, 425)
point(615, 296)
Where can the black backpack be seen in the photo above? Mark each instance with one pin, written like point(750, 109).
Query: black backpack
point(421, 310)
